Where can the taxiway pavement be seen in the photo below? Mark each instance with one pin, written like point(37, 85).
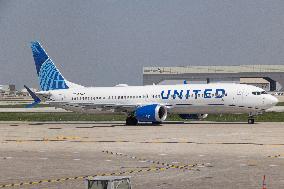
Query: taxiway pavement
point(173, 155)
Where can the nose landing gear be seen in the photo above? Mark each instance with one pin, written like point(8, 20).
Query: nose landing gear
point(251, 118)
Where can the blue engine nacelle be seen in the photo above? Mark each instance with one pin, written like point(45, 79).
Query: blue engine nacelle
point(151, 113)
point(193, 116)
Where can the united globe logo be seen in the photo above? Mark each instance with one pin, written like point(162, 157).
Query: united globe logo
point(50, 77)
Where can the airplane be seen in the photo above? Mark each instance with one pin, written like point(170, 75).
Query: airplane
point(150, 103)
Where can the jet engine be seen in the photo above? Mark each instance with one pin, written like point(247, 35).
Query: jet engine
point(151, 113)
point(193, 116)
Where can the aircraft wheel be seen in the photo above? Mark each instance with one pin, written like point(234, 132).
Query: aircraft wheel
point(131, 121)
point(250, 121)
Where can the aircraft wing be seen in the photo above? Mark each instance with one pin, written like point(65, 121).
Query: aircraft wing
point(126, 108)
point(90, 106)
point(116, 107)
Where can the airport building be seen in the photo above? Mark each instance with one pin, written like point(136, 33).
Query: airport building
point(268, 77)
point(7, 89)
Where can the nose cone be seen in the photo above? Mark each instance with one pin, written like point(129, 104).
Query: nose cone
point(273, 100)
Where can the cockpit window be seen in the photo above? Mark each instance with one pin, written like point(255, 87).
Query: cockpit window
point(259, 93)
point(256, 93)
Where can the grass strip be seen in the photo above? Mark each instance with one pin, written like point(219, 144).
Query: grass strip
point(11, 116)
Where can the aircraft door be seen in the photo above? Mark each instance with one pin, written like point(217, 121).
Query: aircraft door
point(238, 99)
point(61, 96)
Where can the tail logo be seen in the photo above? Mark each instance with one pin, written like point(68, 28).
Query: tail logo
point(50, 77)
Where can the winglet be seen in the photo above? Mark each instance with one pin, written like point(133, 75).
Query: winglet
point(33, 95)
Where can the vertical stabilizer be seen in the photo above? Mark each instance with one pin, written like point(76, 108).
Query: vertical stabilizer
point(49, 76)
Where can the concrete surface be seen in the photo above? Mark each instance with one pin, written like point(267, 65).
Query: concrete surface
point(33, 110)
point(228, 155)
point(276, 109)
point(280, 98)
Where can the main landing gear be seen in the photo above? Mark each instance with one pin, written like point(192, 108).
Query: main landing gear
point(131, 120)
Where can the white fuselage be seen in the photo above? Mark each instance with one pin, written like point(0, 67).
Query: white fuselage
point(212, 98)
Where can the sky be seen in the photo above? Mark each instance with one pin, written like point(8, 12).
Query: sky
point(107, 42)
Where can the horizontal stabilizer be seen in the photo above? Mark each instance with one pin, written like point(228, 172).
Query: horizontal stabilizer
point(33, 95)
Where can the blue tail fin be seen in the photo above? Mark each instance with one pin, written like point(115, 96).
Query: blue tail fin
point(49, 76)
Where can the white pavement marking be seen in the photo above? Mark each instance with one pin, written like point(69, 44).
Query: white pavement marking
point(108, 160)
point(175, 162)
point(76, 159)
point(273, 165)
point(163, 154)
